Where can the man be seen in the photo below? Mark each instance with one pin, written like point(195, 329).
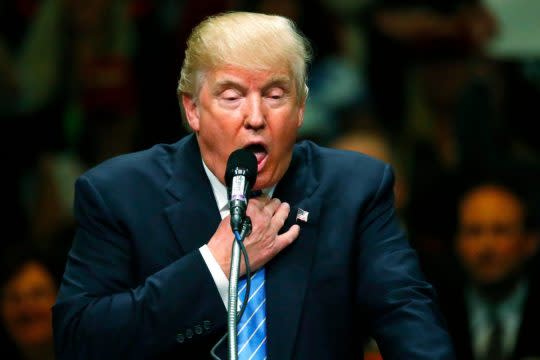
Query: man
point(495, 315)
point(28, 287)
point(147, 275)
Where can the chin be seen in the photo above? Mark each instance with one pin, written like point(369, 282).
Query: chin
point(259, 186)
point(499, 282)
point(261, 182)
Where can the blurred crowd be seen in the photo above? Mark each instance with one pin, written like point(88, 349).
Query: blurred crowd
point(444, 90)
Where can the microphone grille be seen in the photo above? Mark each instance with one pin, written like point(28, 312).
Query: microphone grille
point(241, 159)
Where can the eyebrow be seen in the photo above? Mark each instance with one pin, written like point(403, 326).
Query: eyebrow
point(280, 81)
point(221, 85)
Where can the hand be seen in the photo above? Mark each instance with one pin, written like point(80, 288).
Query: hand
point(267, 218)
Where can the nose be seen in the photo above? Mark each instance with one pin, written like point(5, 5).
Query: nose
point(255, 117)
point(486, 241)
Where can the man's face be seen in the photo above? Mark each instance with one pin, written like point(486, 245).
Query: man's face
point(26, 306)
point(491, 241)
point(240, 108)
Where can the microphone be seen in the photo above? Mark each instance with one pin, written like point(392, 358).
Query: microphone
point(240, 176)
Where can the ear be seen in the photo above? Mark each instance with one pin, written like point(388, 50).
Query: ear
point(192, 111)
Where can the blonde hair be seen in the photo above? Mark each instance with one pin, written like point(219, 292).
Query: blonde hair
point(245, 40)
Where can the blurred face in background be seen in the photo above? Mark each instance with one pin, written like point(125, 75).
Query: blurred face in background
point(27, 299)
point(492, 243)
point(375, 144)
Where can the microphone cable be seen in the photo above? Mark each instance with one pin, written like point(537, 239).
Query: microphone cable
point(239, 240)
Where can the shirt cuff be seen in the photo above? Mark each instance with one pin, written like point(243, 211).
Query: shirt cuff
point(221, 281)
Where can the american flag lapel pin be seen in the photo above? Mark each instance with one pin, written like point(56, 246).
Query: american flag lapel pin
point(302, 215)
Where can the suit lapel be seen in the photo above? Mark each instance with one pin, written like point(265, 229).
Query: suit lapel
point(287, 274)
point(526, 340)
point(195, 216)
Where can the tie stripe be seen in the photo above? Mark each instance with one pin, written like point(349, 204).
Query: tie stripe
point(243, 284)
point(252, 326)
point(251, 296)
point(258, 333)
point(251, 317)
point(257, 349)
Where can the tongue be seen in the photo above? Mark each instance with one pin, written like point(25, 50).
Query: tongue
point(259, 151)
point(259, 155)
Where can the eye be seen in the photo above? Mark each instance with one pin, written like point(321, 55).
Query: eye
point(471, 230)
point(275, 93)
point(230, 95)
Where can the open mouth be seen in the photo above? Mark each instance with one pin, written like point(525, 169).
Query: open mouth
point(260, 153)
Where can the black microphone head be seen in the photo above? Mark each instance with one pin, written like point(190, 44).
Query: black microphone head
point(241, 159)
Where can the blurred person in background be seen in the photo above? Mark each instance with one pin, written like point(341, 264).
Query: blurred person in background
point(29, 288)
point(492, 312)
point(374, 142)
point(436, 94)
point(71, 87)
point(68, 50)
point(402, 36)
point(75, 86)
point(109, 129)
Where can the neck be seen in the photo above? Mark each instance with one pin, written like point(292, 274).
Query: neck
point(499, 291)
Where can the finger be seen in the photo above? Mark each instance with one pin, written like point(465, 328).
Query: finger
point(272, 206)
point(259, 202)
point(280, 216)
point(285, 239)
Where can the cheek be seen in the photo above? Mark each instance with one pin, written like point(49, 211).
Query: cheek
point(286, 133)
point(35, 319)
point(220, 126)
point(510, 250)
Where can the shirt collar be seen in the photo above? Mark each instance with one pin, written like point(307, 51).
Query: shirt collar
point(508, 306)
point(220, 190)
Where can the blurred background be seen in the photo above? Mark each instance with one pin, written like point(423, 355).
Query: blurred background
point(447, 91)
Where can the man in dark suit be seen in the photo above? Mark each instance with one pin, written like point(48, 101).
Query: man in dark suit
point(493, 312)
point(147, 275)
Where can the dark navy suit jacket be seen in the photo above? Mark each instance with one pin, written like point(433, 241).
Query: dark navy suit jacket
point(526, 344)
point(136, 286)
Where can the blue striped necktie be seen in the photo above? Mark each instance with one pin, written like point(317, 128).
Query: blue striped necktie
point(252, 326)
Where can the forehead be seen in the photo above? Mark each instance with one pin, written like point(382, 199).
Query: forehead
point(30, 275)
point(490, 205)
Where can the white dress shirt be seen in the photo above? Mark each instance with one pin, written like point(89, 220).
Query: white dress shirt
point(220, 194)
point(508, 312)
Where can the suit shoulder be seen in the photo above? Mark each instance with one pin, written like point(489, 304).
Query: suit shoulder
point(152, 165)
